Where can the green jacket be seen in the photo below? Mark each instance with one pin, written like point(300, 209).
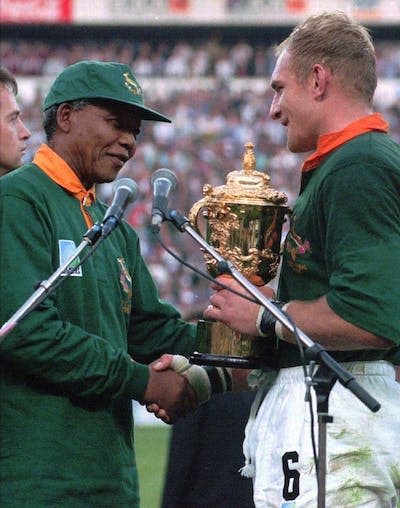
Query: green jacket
point(67, 378)
point(344, 242)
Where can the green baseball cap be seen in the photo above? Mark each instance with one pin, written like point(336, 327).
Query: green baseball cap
point(91, 79)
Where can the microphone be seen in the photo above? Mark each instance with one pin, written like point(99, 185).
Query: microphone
point(163, 181)
point(125, 191)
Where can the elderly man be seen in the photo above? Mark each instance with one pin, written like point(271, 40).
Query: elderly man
point(71, 367)
point(13, 133)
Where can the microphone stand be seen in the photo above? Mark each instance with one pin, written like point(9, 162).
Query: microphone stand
point(92, 237)
point(329, 371)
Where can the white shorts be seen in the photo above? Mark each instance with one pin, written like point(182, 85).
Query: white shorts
point(363, 448)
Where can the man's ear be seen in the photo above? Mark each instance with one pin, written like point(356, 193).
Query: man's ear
point(320, 78)
point(64, 112)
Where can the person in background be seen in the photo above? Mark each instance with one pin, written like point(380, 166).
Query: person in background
point(71, 367)
point(205, 454)
point(13, 133)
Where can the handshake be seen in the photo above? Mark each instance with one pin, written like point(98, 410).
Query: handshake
point(177, 387)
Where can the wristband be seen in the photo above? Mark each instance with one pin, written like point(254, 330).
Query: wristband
point(205, 380)
point(268, 321)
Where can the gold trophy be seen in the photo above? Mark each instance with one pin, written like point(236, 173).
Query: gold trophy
point(243, 223)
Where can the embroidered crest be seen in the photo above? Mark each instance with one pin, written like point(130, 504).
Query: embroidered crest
point(126, 284)
point(132, 85)
point(296, 247)
point(66, 249)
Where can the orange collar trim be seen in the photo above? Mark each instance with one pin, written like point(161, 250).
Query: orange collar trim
point(60, 172)
point(329, 142)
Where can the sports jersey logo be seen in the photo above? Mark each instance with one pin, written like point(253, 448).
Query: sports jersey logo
point(295, 248)
point(126, 284)
point(66, 249)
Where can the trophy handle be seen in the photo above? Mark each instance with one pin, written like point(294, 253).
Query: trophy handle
point(194, 214)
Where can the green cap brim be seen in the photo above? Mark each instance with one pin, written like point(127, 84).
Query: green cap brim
point(100, 80)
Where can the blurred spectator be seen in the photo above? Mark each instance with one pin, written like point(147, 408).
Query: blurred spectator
point(205, 57)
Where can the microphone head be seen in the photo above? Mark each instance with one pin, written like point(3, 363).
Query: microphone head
point(129, 185)
point(165, 174)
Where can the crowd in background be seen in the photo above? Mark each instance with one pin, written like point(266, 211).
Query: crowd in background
point(199, 57)
point(211, 125)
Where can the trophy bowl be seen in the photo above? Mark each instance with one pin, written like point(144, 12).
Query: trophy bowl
point(243, 222)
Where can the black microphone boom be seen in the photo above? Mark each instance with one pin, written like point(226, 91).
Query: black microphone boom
point(125, 191)
point(163, 182)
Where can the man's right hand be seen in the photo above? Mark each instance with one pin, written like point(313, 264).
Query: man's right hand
point(205, 380)
point(171, 392)
point(232, 310)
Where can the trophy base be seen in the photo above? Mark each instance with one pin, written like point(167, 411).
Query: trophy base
point(235, 362)
point(219, 345)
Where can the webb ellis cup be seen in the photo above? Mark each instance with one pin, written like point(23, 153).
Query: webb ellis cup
point(243, 222)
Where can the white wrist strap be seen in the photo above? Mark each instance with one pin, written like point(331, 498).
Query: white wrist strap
point(200, 380)
point(279, 325)
point(258, 322)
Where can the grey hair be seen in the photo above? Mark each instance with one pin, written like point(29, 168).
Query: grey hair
point(50, 116)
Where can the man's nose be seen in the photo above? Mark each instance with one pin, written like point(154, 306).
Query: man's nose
point(24, 132)
point(275, 110)
point(128, 141)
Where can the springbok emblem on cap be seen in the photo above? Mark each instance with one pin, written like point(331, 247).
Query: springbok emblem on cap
point(132, 85)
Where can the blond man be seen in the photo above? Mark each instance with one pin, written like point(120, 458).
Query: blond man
point(339, 282)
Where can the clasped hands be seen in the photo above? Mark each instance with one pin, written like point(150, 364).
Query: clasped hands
point(196, 385)
point(168, 395)
point(175, 387)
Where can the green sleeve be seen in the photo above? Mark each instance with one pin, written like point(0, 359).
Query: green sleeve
point(44, 348)
point(360, 225)
point(156, 327)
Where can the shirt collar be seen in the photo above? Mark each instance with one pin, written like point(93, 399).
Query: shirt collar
point(60, 172)
point(329, 142)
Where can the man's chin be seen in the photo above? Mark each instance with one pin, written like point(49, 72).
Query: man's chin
point(7, 169)
point(108, 178)
point(298, 147)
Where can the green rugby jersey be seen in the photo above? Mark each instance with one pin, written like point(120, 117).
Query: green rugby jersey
point(67, 378)
point(344, 242)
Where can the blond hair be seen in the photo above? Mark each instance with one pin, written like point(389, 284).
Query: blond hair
point(334, 40)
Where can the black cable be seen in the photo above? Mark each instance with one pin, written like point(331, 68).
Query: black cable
point(203, 274)
point(309, 399)
point(312, 420)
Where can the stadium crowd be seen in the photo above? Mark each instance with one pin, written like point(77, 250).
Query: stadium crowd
point(198, 57)
point(211, 124)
